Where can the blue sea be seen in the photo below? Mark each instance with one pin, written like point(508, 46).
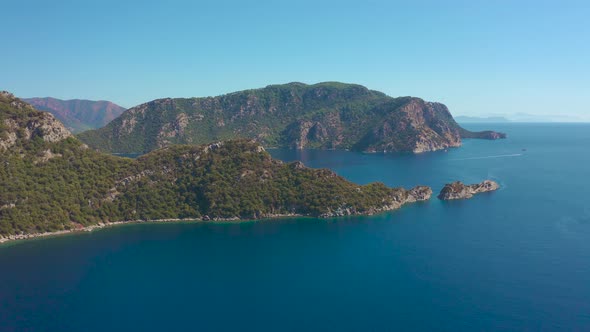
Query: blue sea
point(512, 260)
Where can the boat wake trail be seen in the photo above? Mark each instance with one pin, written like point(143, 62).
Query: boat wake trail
point(490, 157)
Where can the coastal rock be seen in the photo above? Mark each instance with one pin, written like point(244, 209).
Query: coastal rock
point(396, 200)
point(458, 190)
point(419, 193)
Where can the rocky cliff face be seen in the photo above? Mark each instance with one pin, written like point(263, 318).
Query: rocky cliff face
point(458, 190)
point(23, 122)
point(76, 114)
point(323, 116)
point(417, 126)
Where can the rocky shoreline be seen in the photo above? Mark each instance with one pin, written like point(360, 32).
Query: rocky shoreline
point(17, 237)
point(451, 191)
point(417, 194)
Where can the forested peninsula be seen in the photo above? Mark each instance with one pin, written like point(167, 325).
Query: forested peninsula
point(52, 182)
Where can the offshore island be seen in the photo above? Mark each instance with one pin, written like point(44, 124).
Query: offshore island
point(53, 182)
point(329, 115)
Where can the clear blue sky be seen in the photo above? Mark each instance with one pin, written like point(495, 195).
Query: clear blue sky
point(478, 57)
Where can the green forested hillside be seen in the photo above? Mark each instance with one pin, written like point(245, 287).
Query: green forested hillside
point(50, 181)
point(327, 115)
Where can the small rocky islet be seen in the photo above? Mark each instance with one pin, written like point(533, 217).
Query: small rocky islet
point(459, 190)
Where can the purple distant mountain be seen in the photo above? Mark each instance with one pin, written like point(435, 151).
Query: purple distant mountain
point(78, 115)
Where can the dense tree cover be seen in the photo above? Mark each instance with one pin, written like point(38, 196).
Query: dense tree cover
point(37, 195)
point(57, 185)
point(234, 180)
point(238, 179)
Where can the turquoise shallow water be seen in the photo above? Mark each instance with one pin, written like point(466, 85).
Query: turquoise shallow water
point(515, 259)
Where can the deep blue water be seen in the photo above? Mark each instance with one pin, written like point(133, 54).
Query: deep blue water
point(515, 259)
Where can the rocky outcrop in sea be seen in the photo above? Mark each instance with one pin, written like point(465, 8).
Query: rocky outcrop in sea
point(458, 190)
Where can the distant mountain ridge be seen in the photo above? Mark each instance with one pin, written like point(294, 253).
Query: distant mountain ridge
point(329, 115)
point(476, 119)
point(78, 114)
